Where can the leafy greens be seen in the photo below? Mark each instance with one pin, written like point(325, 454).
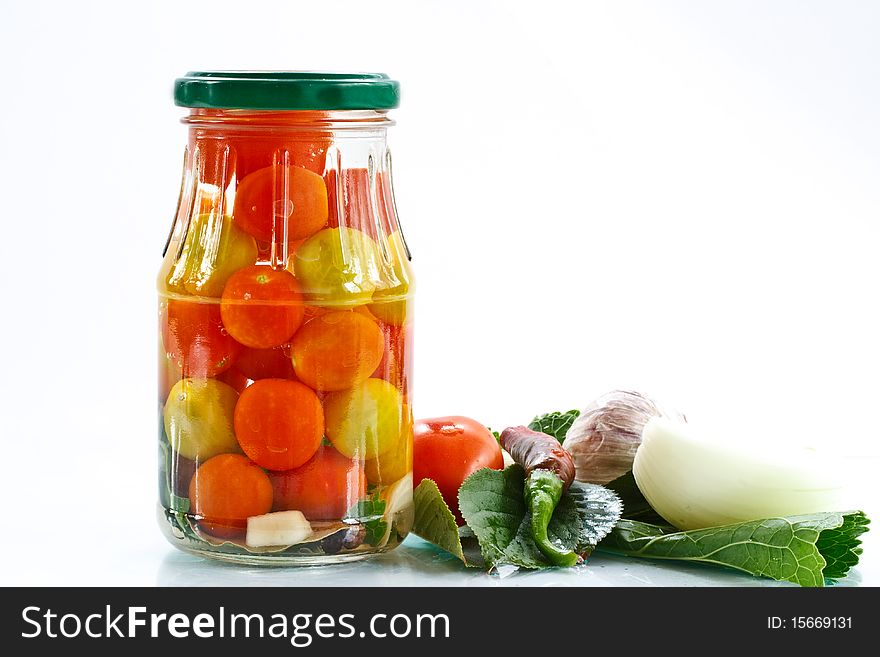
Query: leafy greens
point(498, 520)
point(370, 512)
point(635, 506)
point(492, 504)
point(805, 550)
point(434, 521)
point(554, 424)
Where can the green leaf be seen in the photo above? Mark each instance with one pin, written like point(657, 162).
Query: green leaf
point(367, 509)
point(635, 506)
point(840, 546)
point(493, 506)
point(370, 513)
point(375, 531)
point(434, 521)
point(180, 520)
point(166, 495)
point(177, 503)
point(805, 550)
point(555, 424)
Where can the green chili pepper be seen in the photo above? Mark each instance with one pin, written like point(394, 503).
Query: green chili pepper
point(543, 491)
point(549, 473)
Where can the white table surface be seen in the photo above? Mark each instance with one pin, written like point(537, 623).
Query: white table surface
point(417, 563)
point(131, 552)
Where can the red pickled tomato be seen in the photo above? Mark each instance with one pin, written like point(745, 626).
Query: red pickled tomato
point(242, 150)
point(279, 424)
point(226, 490)
point(256, 364)
point(262, 307)
point(234, 378)
point(260, 195)
point(448, 450)
point(272, 363)
point(325, 488)
point(394, 365)
point(336, 350)
point(385, 197)
point(358, 203)
point(195, 339)
point(257, 150)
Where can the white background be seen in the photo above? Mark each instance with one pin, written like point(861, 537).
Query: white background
point(680, 198)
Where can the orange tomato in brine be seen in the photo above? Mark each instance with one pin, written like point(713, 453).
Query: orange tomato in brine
point(261, 307)
point(226, 490)
point(257, 150)
point(337, 350)
point(279, 424)
point(327, 486)
point(261, 208)
point(195, 339)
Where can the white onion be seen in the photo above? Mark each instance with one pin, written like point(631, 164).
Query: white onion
point(695, 481)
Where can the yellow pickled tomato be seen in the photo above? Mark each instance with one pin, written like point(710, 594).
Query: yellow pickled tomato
point(338, 267)
point(214, 249)
point(366, 421)
point(198, 418)
point(390, 300)
point(393, 464)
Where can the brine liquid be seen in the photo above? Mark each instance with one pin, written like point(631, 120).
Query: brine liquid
point(320, 424)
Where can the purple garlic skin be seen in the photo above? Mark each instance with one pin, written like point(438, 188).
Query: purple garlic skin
point(604, 438)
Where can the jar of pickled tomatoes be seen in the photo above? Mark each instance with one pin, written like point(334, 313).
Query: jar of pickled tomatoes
point(285, 324)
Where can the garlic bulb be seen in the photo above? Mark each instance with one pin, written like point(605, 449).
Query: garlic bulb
point(603, 440)
point(696, 481)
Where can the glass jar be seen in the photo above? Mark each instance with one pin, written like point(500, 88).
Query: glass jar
point(285, 311)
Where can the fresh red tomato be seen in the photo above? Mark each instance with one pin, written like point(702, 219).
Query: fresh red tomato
point(262, 307)
point(448, 450)
point(327, 486)
point(195, 339)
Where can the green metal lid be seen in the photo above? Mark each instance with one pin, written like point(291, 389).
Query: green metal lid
point(286, 90)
